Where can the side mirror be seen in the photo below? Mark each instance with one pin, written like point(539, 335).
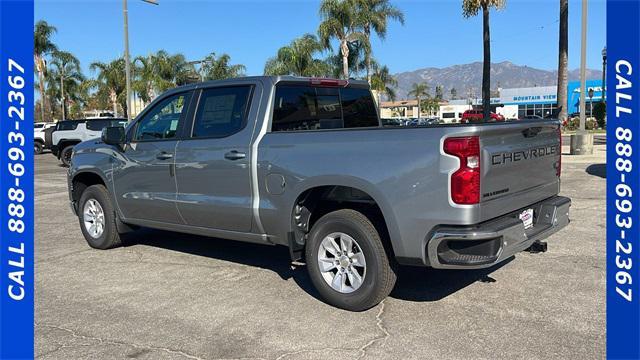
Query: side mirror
point(113, 135)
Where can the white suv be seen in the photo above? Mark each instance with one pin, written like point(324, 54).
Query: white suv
point(68, 133)
point(39, 136)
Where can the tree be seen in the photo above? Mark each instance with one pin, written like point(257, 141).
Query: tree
point(218, 68)
point(66, 68)
point(111, 80)
point(563, 59)
point(600, 113)
point(384, 83)
point(355, 60)
point(471, 8)
point(374, 15)
point(298, 59)
point(419, 91)
point(429, 106)
point(340, 21)
point(454, 93)
point(159, 72)
point(42, 46)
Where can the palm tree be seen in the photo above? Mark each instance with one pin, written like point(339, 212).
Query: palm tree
point(218, 68)
point(419, 91)
point(298, 59)
point(67, 69)
point(471, 8)
point(159, 72)
point(355, 60)
point(339, 21)
point(383, 82)
point(42, 46)
point(373, 15)
point(111, 79)
point(563, 59)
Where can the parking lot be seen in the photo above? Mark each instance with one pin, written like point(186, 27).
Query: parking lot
point(173, 296)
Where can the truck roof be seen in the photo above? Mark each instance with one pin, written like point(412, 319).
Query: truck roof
point(267, 79)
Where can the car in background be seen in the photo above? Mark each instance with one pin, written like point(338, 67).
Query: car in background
point(471, 116)
point(391, 122)
point(423, 122)
point(532, 117)
point(69, 133)
point(39, 131)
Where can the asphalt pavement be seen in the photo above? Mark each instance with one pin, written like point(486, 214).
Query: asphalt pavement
point(171, 296)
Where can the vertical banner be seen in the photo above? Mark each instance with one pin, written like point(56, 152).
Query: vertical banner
point(623, 182)
point(16, 179)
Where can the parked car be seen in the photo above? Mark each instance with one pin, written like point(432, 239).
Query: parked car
point(473, 116)
point(391, 122)
point(68, 133)
point(305, 163)
point(39, 130)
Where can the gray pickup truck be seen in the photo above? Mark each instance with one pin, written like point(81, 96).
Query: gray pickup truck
point(305, 163)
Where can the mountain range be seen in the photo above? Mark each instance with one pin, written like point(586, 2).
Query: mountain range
point(467, 78)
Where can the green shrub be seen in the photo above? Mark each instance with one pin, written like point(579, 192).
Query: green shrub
point(600, 113)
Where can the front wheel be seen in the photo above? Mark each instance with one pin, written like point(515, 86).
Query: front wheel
point(65, 155)
point(347, 262)
point(98, 218)
point(38, 147)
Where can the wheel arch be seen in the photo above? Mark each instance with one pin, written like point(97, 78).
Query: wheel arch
point(344, 192)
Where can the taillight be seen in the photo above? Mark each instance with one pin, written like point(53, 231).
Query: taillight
point(559, 167)
point(465, 182)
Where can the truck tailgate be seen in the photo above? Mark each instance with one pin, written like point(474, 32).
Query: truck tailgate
point(520, 165)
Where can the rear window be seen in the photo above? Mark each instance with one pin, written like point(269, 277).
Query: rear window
point(317, 108)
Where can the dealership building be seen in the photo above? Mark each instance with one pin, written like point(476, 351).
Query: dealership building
point(527, 102)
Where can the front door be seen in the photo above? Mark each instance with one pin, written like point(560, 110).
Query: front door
point(144, 178)
point(213, 162)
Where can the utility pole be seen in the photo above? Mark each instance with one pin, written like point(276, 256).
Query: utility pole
point(127, 60)
point(582, 141)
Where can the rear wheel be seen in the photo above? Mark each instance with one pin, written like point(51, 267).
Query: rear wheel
point(347, 262)
point(65, 155)
point(98, 218)
point(38, 147)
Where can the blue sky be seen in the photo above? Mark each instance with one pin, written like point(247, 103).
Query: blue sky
point(434, 35)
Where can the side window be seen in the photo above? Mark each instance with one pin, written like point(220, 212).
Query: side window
point(161, 122)
point(358, 108)
point(306, 108)
point(221, 111)
point(97, 125)
point(67, 125)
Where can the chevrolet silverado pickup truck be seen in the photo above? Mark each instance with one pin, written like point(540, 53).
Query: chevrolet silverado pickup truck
point(306, 164)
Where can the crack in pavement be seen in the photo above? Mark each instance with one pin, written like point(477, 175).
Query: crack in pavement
point(113, 342)
point(362, 349)
point(380, 326)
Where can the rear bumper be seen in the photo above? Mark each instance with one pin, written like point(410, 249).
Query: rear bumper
point(491, 242)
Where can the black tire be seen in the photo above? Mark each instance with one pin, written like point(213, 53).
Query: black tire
point(38, 147)
point(110, 237)
point(65, 155)
point(380, 276)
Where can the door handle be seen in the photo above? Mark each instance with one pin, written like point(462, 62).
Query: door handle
point(164, 156)
point(235, 155)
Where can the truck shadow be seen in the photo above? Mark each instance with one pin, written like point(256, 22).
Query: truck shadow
point(414, 283)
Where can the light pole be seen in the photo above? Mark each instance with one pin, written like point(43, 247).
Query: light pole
point(590, 101)
point(127, 59)
point(201, 63)
point(582, 141)
point(604, 72)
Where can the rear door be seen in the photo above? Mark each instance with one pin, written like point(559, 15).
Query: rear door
point(213, 161)
point(520, 163)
